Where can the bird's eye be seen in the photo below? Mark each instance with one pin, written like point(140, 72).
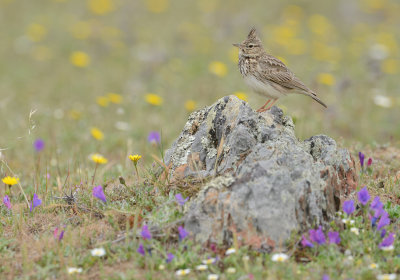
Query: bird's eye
point(251, 46)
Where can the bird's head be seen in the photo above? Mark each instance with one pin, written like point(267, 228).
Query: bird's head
point(252, 45)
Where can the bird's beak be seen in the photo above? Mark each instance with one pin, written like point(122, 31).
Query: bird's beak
point(236, 45)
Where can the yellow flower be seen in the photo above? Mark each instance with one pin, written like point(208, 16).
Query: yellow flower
point(97, 158)
point(36, 32)
point(74, 114)
point(102, 101)
point(218, 68)
point(97, 134)
point(373, 265)
point(326, 79)
point(135, 158)
point(241, 95)
point(81, 30)
point(190, 105)
point(101, 7)
point(79, 59)
point(324, 52)
point(319, 25)
point(390, 66)
point(154, 99)
point(293, 12)
point(157, 6)
point(283, 35)
point(115, 98)
point(10, 181)
point(373, 5)
point(297, 46)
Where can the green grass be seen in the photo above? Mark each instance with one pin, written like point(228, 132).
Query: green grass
point(165, 47)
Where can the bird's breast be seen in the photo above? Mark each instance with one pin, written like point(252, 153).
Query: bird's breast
point(262, 88)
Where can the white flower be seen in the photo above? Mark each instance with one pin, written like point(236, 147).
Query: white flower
point(245, 258)
point(383, 101)
point(378, 52)
point(355, 230)
point(201, 267)
point(387, 248)
point(352, 222)
point(98, 252)
point(161, 267)
point(124, 126)
point(279, 257)
point(73, 270)
point(182, 272)
point(373, 265)
point(230, 251)
point(231, 270)
point(209, 261)
point(213, 277)
point(392, 276)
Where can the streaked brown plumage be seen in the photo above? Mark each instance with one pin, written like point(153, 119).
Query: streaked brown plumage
point(267, 75)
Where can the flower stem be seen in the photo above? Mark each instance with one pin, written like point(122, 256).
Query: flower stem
point(137, 172)
point(94, 174)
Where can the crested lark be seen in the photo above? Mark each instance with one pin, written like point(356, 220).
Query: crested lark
point(267, 75)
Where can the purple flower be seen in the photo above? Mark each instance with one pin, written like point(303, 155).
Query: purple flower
point(317, 236)
point(98, 193)
point(154, 137)
point(6, 201)
point(145, 232)
point(170, 257)
point(305, 242)
point(180, 200)
point(35, 202)
point(325, 277)
point(383, 233)
point(376, 203)
point(182, 233)
point(141, 250)
point(61, 236)
point(348, 207)
point(56, 236)
point(334, 237)
point(369, 162)
point(363, 196)
point(361, 156)
point(388, 241)
point(377, 206)
point(38, 145)
point(383, 221)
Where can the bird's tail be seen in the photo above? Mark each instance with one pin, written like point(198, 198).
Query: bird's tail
point(314, 96)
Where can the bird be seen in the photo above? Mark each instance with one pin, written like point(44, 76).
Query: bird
point(266, 74)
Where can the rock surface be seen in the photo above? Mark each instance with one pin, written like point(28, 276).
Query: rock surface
point(265, 183)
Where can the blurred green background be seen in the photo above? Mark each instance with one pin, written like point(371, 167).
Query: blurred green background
point(99, 75)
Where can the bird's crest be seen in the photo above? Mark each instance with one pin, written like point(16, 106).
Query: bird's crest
point(252, 33)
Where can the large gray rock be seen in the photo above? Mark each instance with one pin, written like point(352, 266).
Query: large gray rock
point(265, 183)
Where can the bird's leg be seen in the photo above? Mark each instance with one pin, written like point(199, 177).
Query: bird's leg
point(272, 104)
point(262, 109)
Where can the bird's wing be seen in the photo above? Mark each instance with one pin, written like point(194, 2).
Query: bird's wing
point(276, 71)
